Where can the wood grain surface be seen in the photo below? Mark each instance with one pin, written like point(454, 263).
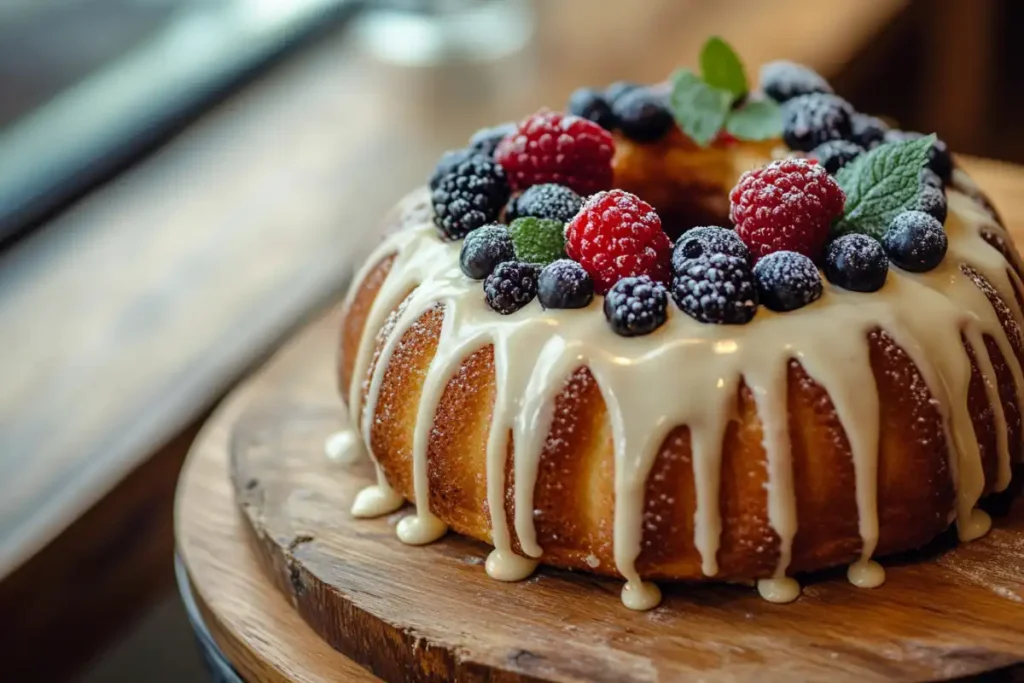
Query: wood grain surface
point(431, 613)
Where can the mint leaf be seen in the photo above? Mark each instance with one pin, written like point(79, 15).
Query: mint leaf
point(699, 109)
point(881, 184)
point(756, 120)
point(721, 67)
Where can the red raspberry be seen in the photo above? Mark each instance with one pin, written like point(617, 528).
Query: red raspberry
point(549, 147)
point(788, 205)
point(615, 235)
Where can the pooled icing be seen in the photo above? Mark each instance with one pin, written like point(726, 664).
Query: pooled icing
point(536, 351)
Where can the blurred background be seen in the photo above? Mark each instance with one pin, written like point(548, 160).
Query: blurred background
point(185, 182)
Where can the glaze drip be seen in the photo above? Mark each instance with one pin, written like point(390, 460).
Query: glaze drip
point(929, 316)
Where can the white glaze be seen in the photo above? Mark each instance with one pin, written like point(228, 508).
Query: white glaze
point(379, 499)
point(344, 447)
point(866, 574)
point(536, 351)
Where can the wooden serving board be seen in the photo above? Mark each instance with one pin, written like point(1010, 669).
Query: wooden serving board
point(431, 613)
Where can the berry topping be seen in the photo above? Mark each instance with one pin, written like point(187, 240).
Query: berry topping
point(486, 140)
point(932, 201)
point(618, 89)
point(835, 154)
point(538, 240)
point(856, 262)
point(930, 178)
point(715, 288)
point(787, 281)
point(915, 241)
point(707, 240)
point(549, 147)
point(788, 205)
point(782, 81)
point(472, 194)
point(867, 131)
point(512, 285)
point(449, 161)
point(939, 158)
point(809, 120)
point(643, 115)
point(636, 306)
point(564, 284)
point(485, 248)
point(556, 202)
point(615, 235)
point(590, 104)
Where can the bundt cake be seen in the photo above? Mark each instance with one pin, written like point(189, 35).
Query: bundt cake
point(690, 332)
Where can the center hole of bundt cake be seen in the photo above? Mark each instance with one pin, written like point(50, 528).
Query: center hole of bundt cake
point(687, 185)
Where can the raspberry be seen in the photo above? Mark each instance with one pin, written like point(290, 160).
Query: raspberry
point(939, 158)
point(556, 202)
point(835, 154)
point(809, 120)
point(615, 235)
point(485, 248)
point(537, 240)
point(643, 115)
point(787, 281)
point(856, 262)
point(512, 285)
point(636, 306)
point(709, 240)
point(782, 80)
point(486, 140)
point(469, 196)
point(554, 148)
point(716, 288)
point(564, 284)
point(867, 131)
point(788, 205)
point(915, 241)
point(590, 104)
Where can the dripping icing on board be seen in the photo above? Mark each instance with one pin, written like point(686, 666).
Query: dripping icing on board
point(926, 314)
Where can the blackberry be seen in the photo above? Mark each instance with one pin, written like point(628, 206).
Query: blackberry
point(486, 140)
point(591, 104)
point(707, 240)
point(809, 120)
point(715, 288)
point(856, 262)
point(512, 285)
point(915, 241)
point(484, 249)
point(835, 154)
point(867, 131)
point(787, 281)
point(564, 284)
point(449, 161)
point(932, 200)
point(782, 81)
point(636, 306)
point(618, 89)
point(643, 115)
point(939, 158)
point(555, 202)
point(469, 196)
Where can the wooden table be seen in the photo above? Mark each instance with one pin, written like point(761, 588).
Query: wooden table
point(127, 317)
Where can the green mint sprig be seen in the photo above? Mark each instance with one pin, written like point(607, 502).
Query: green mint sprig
point(703, 105)
point(881, 184)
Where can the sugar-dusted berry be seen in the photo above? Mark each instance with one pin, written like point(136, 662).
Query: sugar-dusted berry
point(788, 205)
point(867, 131)
point(557, 202)
point(615, 235)
point(472, 195)
point(707, 240)
point(636, 306)
point(809, 120)
point(856, 262)
point(915, 241)
point(483, 249)
point(643, 115)
point(783, 80)
point(835, 154)
point(591, 104)
point(486, 140)
point(715, 288)
point(512, 285)
point(787, 281)
point(564, 284)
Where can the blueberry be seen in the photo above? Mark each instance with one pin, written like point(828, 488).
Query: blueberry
point(809, 120)
point(483, 249)
point(591, 104)
point(643, 115)
point(930, 178)
point(636, 306)
point(564, 284)
point(449, 161)
point(835, 154)
point(932, 201)
point(486, 140)
point(555, 202)
point(707, 240)
point(787, 281)
point(856, 262)
point(782, 80)
point(915, 241)
point(867, 131)
point(618, 89)
point(512, 285)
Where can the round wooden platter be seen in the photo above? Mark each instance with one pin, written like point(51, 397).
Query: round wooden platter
point(431, 613)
